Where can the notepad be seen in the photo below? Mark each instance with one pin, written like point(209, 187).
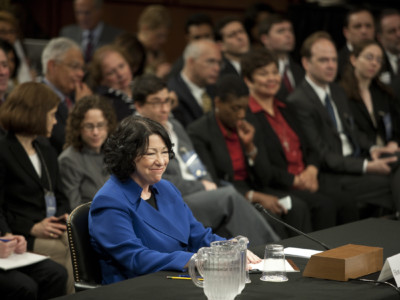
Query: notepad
point(20, 260)
point(271, 266)
point(300, 252)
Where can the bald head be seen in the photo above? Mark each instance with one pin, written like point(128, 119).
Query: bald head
point(202, 62)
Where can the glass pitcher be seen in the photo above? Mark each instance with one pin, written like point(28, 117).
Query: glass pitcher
point(220, 269)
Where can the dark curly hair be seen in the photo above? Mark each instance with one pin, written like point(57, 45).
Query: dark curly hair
point(129, 141)
point(74, 122)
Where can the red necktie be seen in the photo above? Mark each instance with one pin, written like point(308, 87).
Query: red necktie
point(286, 80)
point(89, 47)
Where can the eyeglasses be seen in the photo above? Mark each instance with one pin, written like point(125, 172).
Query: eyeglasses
point(371, 57)
point(159, 104)
point(91, 127)
point(74, 66)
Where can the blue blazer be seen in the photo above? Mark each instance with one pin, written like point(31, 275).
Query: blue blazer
point(133, 238)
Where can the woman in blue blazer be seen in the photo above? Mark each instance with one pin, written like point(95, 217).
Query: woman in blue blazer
point(138, 222)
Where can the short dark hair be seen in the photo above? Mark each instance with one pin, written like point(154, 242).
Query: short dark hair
point(129, 141)
point(385, 13)
point(198, 19)
point(255, 59)
point(222, 23)
point(75, 117)
point(355, 10)
point(230, 87)
point(25, 110)
point(305, 50)
point(267, 24)
point(146, 85)
point(252, 12)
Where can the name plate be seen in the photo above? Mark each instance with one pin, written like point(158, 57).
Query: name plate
point(391, 269)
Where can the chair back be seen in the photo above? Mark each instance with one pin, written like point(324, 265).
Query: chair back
point(85, 264)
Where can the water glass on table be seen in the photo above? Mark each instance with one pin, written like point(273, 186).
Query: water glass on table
point(274, 264)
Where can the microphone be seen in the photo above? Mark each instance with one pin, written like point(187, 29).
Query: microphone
point(261, 208)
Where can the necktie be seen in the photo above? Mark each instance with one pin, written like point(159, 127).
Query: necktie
point(329, 108)
point(89, 47)
point(206, 102)
point(286, 80)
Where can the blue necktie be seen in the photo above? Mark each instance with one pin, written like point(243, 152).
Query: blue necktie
point(329, 108)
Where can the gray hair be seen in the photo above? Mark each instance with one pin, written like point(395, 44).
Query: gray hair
point(56, 49)
point(196, 48)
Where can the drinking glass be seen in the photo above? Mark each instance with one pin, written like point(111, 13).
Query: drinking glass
point(274, 264)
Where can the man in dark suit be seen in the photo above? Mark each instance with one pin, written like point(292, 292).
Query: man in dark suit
point(90, 32)
point(388, 34)
point(276, 34)
point(197, 27)
point(328, 125)
point(222, 209)
point(194, 86)
point(234, 42)
point(63, 70)
point(358, 26)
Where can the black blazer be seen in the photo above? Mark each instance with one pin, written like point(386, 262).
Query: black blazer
point(188, 109)
point(210, 145)
point(383, 105)
point(298, 75)
point(21, 189)
point(321, 133)
point(227, 68)
point(265, 135)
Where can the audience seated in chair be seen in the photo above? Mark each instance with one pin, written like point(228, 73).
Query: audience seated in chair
point(82, 168)
point(359, 25)
point(90, 32)
point(153, 28)
point(277, 36)
point(63, 70)
point(111, 77)
point(195, 85)
point(224, 141)
point(10, 31)
point(234, 42)
point(222, 209)
point(372, 103)
point(32, 197)
point(197, 27)
point(349, 163)
point(43, 280)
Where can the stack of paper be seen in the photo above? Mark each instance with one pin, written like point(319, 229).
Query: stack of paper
point(20, 260)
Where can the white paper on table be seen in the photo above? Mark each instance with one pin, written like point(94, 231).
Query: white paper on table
point(300, 252)
point(272, 265)
point(20, 260)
